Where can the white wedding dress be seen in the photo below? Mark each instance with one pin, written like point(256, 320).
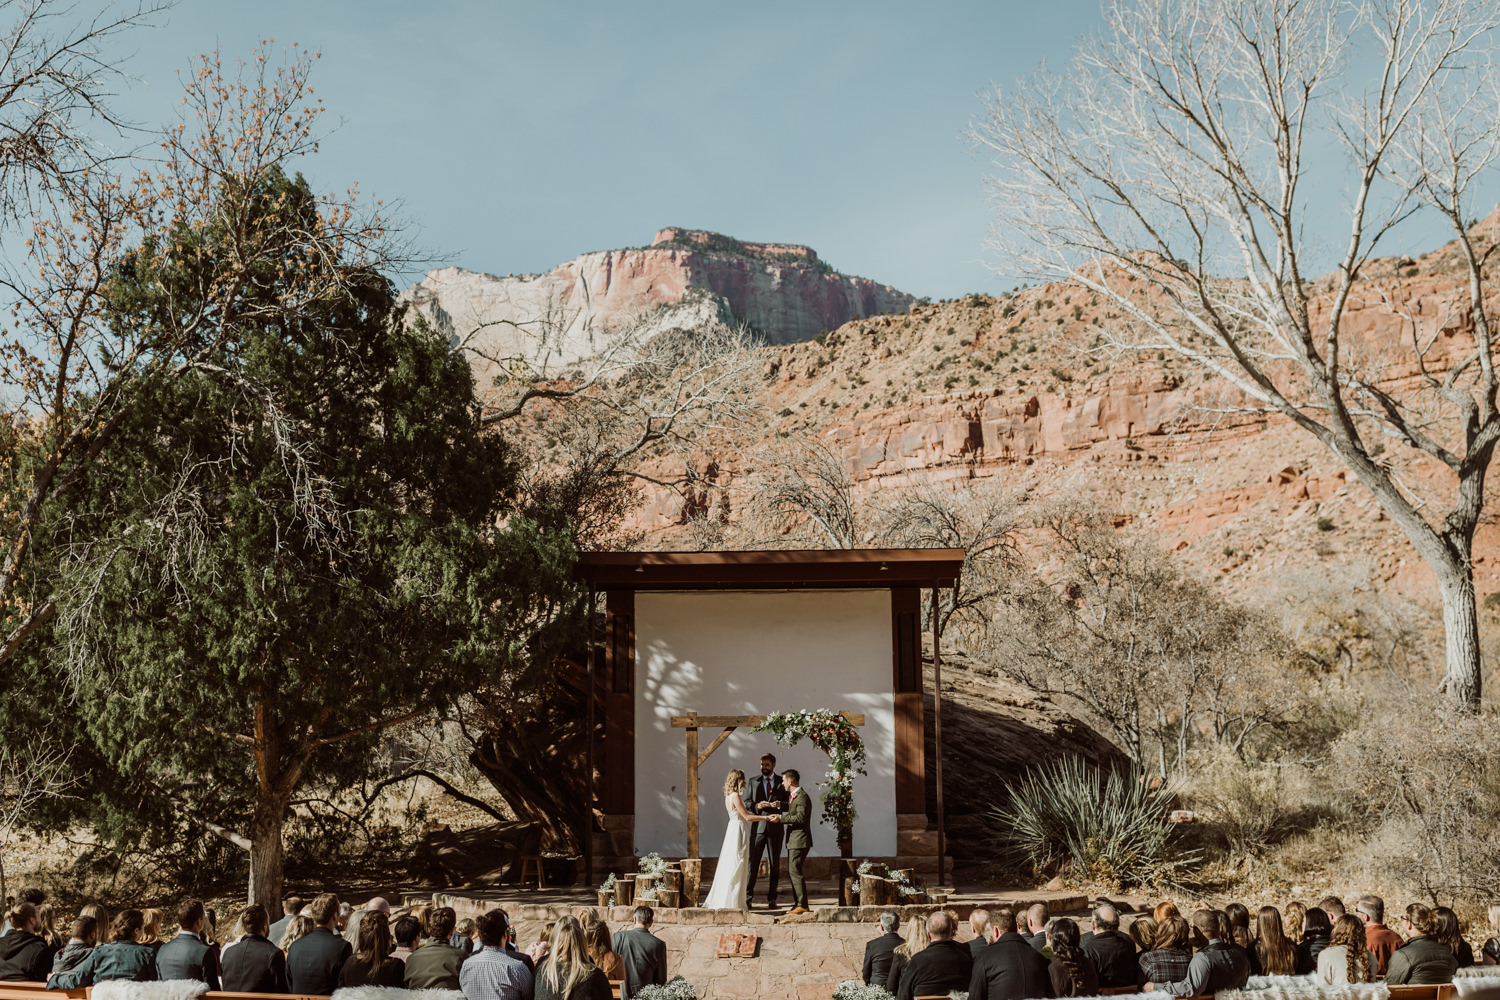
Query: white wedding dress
point(733, 872)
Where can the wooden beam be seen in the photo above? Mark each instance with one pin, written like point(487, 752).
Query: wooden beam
point(692, 788)
point(718, 740)
point(694, 720)
point(937, 724)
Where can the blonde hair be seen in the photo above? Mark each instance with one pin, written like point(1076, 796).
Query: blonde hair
point(150, 926)
point(299, 926)
point(917, 938)
point(734, 782)
point(568, 962)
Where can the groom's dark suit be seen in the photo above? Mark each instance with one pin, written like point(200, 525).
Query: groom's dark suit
point(765, 838)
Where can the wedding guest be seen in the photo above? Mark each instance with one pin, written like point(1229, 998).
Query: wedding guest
point(406, 932)
point(1334, 907)
point(1491, 949)
point(1294, 920)
point(186, 956)
point(1009, 969)
point(81, 940)
point(1166, 962)
point(1274, 951)
point(1315, 935)
point(1111, 953)
point(98, 912)
point(255, 964)
point(372, 963)
point(1381, 939)
point(465, 936)
point(290, 907)
point(1036, 925)
point(151, 921)
point(1143, 932)
point(315, 960)
point(880, 952)
point(492, 972)
point(916, 940)
point(1071, 971)
point(25, 956)
point(539, 948)
point(124, 957)
point(46, 924)
point(942, 967)
point(568, 973)
point(1422, 960)
point(435, 965)
point(30, 894)
point(1450, 933)
point(1166, 908)
point(301, 926)
point(602, 952)
point(1347, 959)
point(644, 954)
point(979, 923)
point(1240, 936)
point(1217, 966)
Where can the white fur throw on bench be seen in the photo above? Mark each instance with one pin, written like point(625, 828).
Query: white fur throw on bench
point(392, 993)
point(165, 989)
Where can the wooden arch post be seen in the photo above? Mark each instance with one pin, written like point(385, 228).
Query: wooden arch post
point(692, 722)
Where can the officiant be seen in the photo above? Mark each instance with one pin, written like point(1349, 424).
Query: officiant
point(765, 796)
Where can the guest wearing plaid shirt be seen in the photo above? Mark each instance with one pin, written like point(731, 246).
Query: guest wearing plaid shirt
point(1167, 961)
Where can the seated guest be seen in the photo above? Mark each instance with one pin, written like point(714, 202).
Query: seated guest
point(1491, 948)
point(372, 963)
point(290, 907)
point(81, 941)
point(880, 951)
point(979, 923)
point(1036, 925)
point(186, 956)
point(538, 949)
point(465, 937)
point(492, 972)
point(122, 958)
point(1143, 933)
point(1071, 971)
point(1422, 960)
point(434, 966)
point(30, 894)
point(1166, 908)
point(1274, 951)
point(1166, 960)
point(25, 956)
point(601, 950)
point(1316, 930)
point(1382, 940)
point(1218, 965)
point(1334, 907)
point(406, 932)
point(151, 921)
point(1111, 953)
point(941, 967)
point(1450, 933)
point(1239, 933)
point(255, 964)
point(567, 973)
point(1010, 968)
point(916, 940)
point(46, 926)
point(301, 926)
point(314, 961)
point(1347, 959)
point(644, 954)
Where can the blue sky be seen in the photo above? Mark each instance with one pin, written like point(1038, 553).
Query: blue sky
point(519, 135)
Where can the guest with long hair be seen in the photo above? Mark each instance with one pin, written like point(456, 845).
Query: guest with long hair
point(1142, 931)
point(917, 938)
point(1315, 936)
point(124, 957)
point(1072, 974)
point(24, 949)
point(1347, 959)
point(151, 921)
point(1166, 908)
point(568, 973)
point(298, 927)
point(1239, 933)
point(372, 964)
point(1448, 931)
point(601, 951)
point(1274, 950)
point(1167, 959)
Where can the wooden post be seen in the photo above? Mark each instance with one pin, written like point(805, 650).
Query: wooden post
point(692, 785)
point(937, 723)
point(692, 880)
point(588, 753)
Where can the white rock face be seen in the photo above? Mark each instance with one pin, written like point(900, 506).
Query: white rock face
point(685, 280)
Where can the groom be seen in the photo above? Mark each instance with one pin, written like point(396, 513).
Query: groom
point(765, 796)
point(797, 818)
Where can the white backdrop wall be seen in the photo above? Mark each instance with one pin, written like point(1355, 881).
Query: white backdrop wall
point(751, 653)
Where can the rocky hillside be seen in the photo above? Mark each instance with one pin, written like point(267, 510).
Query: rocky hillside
point(683, 279)
point(1022, 387)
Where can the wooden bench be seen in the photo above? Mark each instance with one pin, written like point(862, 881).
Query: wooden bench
point(1442, 991)
point(36, 991)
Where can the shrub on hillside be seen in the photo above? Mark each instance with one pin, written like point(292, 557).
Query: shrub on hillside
point(1097, 825)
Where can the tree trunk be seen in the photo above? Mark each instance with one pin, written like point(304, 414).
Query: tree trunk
point(1461, 679)
point(267, 855)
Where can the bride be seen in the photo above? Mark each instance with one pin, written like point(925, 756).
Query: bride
point(733, 872)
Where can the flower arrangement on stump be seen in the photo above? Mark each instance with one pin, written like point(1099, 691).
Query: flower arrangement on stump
point(839, 739)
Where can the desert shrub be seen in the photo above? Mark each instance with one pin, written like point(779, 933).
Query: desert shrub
point(1100, 825)
point(1245, 801)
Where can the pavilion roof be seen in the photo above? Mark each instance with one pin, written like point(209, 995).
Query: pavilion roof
point(771, 569)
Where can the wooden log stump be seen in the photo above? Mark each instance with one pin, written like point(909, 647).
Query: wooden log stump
point(607, 898)
point(692, 880)
point(877, 891)
point(668, 897)
point(625, 890)
point(848, 874)
point(645, 886)
point(672, 879)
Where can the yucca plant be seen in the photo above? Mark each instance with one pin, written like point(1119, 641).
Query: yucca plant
point(1103, 825)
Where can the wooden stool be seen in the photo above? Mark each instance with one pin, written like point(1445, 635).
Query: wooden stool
point(529, 863)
